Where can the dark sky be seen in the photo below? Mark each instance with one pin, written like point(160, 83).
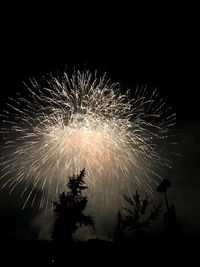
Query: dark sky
point(134, 46)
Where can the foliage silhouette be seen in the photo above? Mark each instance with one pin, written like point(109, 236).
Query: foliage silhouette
point(69, 210)
point(135, 218)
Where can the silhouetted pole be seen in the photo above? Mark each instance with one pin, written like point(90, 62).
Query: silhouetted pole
point(166, 200)
point(169, 217)
point(162, 188)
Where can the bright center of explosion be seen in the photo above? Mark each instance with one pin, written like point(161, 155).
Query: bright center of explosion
point(93, 143)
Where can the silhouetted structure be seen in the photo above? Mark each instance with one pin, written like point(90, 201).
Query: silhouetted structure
point(162, 188)
point(169, 218)
point(70, 210)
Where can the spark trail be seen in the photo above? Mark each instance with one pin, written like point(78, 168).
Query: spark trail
point(63, 125)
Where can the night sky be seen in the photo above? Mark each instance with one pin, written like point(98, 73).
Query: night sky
point(135, 47)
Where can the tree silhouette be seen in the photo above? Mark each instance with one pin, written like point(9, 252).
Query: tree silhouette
point(135, 218)
point(119, 229)
point(69, 210)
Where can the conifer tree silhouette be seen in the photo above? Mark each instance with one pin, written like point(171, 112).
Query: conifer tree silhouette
point(135, 217)
point(69, 210)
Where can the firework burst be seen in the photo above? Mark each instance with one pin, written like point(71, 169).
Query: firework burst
point(66, 124)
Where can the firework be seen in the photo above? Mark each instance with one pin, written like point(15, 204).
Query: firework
point(66, 124)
